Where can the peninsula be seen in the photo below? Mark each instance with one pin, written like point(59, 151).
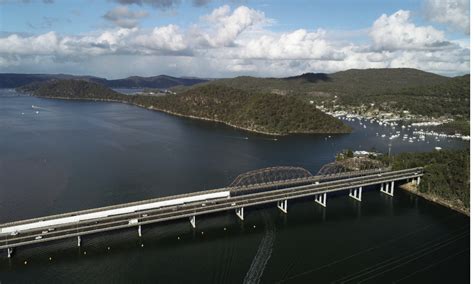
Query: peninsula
point(252, 111)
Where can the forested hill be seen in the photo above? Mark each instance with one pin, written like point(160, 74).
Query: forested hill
point(13, 80)
point(72, 89)
point(349, 82)
point(258, 112)
point(446, 174)
point(421, 93)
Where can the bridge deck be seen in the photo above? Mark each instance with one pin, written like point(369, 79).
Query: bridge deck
point(289, 191)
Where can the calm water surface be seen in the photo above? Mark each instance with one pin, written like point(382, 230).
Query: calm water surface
point(78, 155)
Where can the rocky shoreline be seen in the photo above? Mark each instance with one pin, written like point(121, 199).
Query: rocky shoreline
point(456, 206)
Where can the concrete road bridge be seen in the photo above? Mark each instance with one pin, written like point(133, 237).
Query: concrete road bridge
point(271, 185)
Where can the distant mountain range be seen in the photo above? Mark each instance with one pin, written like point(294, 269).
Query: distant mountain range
point(245, 101)
point(387, 89)
point(14, 80)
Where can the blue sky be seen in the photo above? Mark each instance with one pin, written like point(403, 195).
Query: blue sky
point(228, 38)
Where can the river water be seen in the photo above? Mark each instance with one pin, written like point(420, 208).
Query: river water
point(68, 155)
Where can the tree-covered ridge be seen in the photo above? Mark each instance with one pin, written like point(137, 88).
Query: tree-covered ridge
point(446, 173)
point(259, 112)
point(448, 98)
point(351, 82)
point(389, 89)
point(72, 89)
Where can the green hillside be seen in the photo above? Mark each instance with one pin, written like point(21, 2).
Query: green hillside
point(419, 92)
point(261, 112)
point(258, 112)
point(446, 174)
point(350, 82)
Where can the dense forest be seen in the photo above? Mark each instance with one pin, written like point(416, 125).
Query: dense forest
point(259, 112)
point(14, 80)
point(389, 89)
point(72, 89)
point(414, 90)
point(446, 172)
point(449, 98)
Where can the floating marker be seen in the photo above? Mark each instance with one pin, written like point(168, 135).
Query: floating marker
point(50, 258)
point(142, 245)
point(85, 252)
point(26, 262)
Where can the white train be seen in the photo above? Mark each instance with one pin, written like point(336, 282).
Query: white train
point(15, 229)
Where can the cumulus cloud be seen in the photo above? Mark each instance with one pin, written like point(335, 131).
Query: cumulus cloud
point(397, 32)
point(454, 13)
point(299, 44)
point(123, 17)
point(167, 39)
point(229, 42)
point(227, 25)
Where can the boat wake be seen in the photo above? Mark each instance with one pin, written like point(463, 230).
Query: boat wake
point(264, 252)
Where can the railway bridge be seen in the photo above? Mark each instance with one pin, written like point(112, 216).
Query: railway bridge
point(271, 185)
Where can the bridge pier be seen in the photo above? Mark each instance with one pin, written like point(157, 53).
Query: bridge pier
point(356, 193)
point(139, 230)
point(283, 205)
point(321, 199)
point(78, 241)
point(389, 188)
point(418, 179)
point(9, 252)
point(240, 213)
point(192, 220)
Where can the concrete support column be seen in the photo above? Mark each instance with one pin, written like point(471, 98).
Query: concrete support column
point(321, 199)
point(283, 205)
point(193, 221)
point(392, 188)
point(418, 179)
point(356, 193)
point(240, 213)
point(78, 241)
point(9, 252)
point(139, 230)
point(388, 188)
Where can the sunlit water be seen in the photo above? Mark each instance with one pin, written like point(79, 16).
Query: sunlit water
point(69, 155)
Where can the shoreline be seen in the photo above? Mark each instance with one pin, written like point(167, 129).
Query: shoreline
point(409, 187)
point(191, 116)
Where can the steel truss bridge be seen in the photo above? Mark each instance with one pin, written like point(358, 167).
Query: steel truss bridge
point(271, 185)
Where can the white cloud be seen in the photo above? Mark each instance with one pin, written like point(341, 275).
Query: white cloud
point(227, 25)
point(230, 42)
point(396, 32)
point(299, 44)
point(454, 13)
point(160, 40)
